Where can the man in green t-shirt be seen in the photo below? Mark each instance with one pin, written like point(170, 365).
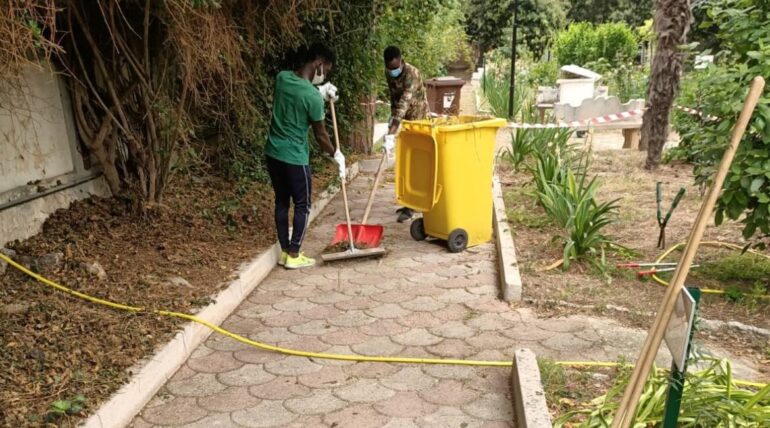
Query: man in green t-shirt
point(297, 106)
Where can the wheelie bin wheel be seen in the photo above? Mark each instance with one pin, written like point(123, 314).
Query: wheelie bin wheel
point(457, 241)
point(417, 230)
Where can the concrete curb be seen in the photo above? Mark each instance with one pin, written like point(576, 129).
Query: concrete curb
point(530, 409)
point(510, 278)
point(131, 398)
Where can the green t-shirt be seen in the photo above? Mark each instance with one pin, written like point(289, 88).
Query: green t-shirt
point(296, 103)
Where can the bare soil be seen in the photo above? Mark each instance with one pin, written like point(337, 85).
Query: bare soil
point(622, 177)
point(177, 257)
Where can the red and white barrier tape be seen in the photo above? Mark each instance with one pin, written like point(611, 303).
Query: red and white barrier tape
point(601, 119)
point(580, 123)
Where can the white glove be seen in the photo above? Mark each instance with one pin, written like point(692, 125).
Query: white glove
point(340, 159)
point(389, 144)
point(328, 92)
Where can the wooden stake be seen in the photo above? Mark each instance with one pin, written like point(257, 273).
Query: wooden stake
point(627, 410)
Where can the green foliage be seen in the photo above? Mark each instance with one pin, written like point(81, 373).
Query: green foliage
point(527, 142)
point(60, 408)
point(710, 399)
point(496, 90)
point(572, 204)
point(542, 73)
point(489, 23)
point(626, 81)
point(745, 267)
point(430, 34)
point(719, 91)
point(583, 42)
point(632, 12)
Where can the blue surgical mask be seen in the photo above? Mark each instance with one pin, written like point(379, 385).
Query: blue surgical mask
point(395, 72)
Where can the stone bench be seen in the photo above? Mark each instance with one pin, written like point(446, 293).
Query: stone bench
point(602, 106)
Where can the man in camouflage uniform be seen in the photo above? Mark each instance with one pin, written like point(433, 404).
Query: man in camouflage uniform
point(408, 100)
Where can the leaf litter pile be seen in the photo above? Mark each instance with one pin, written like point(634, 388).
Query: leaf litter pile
point(63, 356)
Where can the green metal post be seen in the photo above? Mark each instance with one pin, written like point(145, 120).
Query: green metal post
point(676, 381)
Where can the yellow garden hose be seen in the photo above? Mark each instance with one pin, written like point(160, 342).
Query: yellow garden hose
point(715, 244)
point(298, 353)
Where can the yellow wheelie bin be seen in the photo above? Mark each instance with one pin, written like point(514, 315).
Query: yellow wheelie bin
point(444, 169)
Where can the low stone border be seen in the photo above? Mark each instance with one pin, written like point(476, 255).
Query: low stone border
point(131, 398)
point(510, 278)
point(530, 410)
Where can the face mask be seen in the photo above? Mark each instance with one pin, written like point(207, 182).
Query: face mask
point(395, 72)
point(318, 78)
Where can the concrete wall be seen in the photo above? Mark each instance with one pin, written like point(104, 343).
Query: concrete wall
point(38, 152)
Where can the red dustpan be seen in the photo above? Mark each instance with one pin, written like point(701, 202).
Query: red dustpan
point(362, 240)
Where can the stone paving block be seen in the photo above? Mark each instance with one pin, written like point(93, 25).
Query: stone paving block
point(453, 330)
point(491, 379)
point(455, 295)
point(216, 362)
point(307, 344)
point(328, 298)
point(217, 420)
point(305, 421)
point(377, 346)
point(217, 342)
point(405, 404)
point(352, 319)
point(284, 319)
point(452, 348)
point(488, 305)
point(274, 335)
point(200, 385)
point(338, 350)
point(184, 372)
point(293, 366)
point(483, 290)
point(449, 417)
point(526, 332)
point(442, 371)
point(248, 375)
point(268, 413)
point(492, 407)
point(401, 423)
point(370, 370)
point(490, 340)
point(409, 378)
point(229, 400)
point(320, 401)
point(364, 391)
point(420, 320)
point(243, 326)
point(383, 328)
point(180, 410)
point(392, 297)
point(356, 416)
point(417, 337)
point(280, 388)
point(327, 377)
point(450, 392)
point(265, 297)
point(313, 328)
point(426, 291)
point(387, 310)
point(256, 311)
point(294, 305)
point(301, 293)
point(566, 342)
point(257, 356)
point(489, 321)
point(344, 336)
point(321, 313)
point(561, 325)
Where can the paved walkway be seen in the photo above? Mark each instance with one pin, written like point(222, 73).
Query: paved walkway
point(417, 301)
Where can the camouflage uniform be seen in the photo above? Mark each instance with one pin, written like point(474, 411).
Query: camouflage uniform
point(408, 99)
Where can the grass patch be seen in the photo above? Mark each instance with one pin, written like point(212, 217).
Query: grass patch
point(745, 268)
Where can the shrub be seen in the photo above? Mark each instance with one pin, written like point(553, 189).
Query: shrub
point(496, 87)
point(582, 43)
point(528, 141)
point(744, 31)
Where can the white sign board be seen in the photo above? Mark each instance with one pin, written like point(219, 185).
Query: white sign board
point(449, 98)
point(679, 327)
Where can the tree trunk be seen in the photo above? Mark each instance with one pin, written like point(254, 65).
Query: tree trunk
point(362, 135)
point(672, 20)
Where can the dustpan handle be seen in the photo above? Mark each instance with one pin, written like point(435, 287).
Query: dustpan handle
point(344, 191)
point(377, 177)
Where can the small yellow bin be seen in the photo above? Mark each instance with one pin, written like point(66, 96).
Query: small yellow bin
point(444, 169)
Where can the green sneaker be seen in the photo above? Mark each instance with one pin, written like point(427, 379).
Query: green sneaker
point(299, 262)
point(282, 259)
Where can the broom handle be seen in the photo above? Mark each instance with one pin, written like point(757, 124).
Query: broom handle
point(377, 177)
point(627, 408)
point(344, 191)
